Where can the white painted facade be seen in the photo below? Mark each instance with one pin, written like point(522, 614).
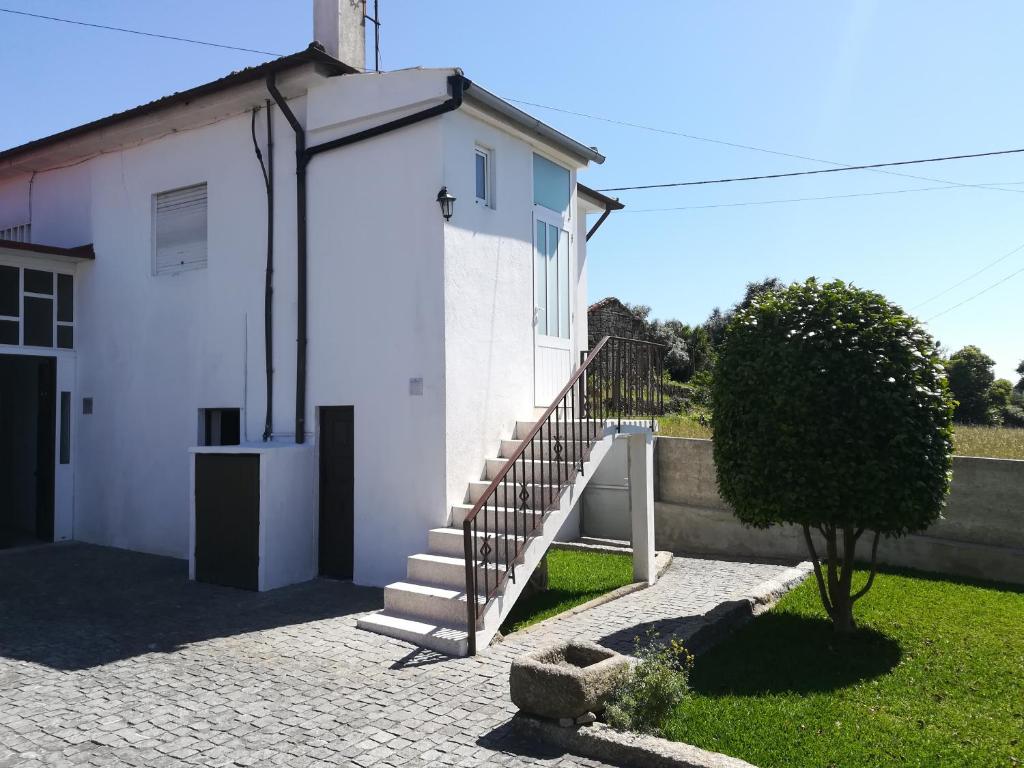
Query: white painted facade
point(394, 294)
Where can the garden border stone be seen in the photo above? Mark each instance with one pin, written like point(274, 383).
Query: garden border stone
point(631, 750)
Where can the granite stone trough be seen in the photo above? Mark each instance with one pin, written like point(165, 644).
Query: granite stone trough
point(566, 680)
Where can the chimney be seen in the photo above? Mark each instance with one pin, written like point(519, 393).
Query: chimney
point(340, 26)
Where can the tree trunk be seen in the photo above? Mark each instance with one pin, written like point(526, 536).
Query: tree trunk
point(842, 612)
point(835, 580)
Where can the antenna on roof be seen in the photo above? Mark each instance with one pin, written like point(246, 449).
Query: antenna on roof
point(375, 20)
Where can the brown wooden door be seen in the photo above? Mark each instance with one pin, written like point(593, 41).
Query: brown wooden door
point(337, 496)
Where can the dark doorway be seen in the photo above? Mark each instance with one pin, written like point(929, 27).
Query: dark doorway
point(27, 433)
point(228, 519)
point(337, 497)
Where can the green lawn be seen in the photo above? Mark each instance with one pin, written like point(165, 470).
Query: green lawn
point(934, 676)
point(573, 578)
point(994, 442)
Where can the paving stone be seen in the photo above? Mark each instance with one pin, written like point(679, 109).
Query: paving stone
point(111, 657)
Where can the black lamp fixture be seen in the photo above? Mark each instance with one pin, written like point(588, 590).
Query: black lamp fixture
point(447, 203)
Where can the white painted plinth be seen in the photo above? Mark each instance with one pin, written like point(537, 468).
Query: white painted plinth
point(288, 515)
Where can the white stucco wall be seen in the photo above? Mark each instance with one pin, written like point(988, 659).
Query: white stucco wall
point(488, 275)
point(489, 304)
point(376, 311)
point(154, 350)
point(395, 294)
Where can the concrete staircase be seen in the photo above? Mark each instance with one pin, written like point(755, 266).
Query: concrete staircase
point(429, 607)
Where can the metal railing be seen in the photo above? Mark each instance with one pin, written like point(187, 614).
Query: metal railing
point(618, 378)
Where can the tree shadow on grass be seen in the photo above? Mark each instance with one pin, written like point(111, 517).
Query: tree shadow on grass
point(787, 653)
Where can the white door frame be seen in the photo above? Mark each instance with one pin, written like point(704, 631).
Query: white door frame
point(553, 355)
point(66, 381)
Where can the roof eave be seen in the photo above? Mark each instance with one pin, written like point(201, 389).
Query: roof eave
point(313, 54)
point(78, 253)
point(599, 199)
point(487, 101)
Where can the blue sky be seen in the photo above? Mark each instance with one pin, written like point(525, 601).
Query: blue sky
point(847, 82)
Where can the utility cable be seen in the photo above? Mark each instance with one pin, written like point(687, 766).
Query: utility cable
point(140, 32)
point(971, 276)
point(802, 199)
point(979, 293)
point(750, 147)
point(865, 167)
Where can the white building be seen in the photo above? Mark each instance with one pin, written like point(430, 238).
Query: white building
point(137, 311)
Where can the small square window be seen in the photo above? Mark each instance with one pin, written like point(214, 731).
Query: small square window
point(10, 292)
point(484, 165)
point(9, 332)
point(38, 322)
point(220, 426)
point(37, 281)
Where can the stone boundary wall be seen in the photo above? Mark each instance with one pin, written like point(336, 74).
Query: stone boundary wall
point(981, 535)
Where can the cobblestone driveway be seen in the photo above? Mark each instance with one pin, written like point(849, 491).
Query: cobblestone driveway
point(112, 658)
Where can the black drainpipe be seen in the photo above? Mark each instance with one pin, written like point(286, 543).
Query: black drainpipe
point(301, 160)
point(457, 85)
point(599, 222)
point(268, 291)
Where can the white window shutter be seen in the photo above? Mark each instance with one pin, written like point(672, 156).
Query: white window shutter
point(179, 230)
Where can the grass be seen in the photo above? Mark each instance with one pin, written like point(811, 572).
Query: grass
point(682, 425)
point(993, 442)
point(933, 676)
point(573, 578)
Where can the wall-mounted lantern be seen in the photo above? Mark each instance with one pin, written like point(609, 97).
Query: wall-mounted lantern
point(447, 203)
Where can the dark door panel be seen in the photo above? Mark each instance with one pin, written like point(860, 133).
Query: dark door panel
point(337, 494)
point(228, 519)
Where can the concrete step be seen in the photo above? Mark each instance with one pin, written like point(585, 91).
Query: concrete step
point(547, 472)
point(448, 541)
point(429, 607)
point(507, 495)
point(445, 571)
point(431, 604)
point(450, 639)
point(544, 450)
point(566, 428)
point(505, 520)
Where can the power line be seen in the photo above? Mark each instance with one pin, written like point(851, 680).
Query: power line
point(979, 293)
point(140, 32)
point(814, 172)
point(737, 145)
point(971, 276)
point(802, 199)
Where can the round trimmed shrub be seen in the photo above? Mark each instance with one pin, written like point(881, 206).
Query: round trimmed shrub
point(832, 412)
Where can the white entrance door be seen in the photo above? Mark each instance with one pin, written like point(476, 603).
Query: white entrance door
point(553, 296)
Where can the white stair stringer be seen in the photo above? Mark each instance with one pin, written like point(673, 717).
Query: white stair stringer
point(429, 607)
